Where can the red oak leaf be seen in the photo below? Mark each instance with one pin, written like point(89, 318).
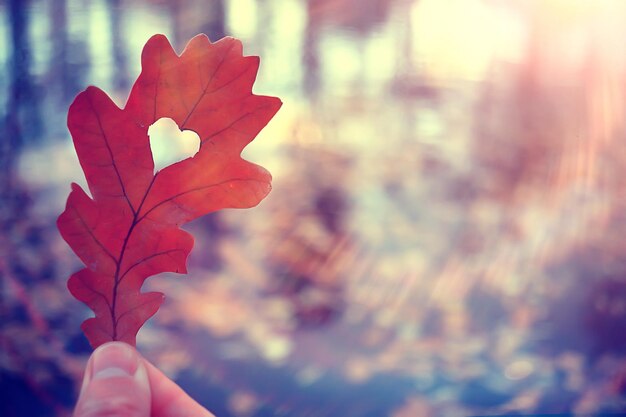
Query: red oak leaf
point(129, 229)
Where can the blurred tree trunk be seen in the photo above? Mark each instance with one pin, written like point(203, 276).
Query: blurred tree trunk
point(118, 46)
point(310, 52)
point(190, 17)
point(214, 25)
point(23, 117)
point(59, 63)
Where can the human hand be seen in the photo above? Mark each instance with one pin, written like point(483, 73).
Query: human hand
point(118, 382)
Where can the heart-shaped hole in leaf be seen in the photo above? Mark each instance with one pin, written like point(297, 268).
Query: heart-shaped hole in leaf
point(169, 144)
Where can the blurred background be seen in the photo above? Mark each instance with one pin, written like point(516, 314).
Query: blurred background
point(445, 235)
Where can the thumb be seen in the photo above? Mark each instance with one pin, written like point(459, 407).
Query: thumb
point(115, 384)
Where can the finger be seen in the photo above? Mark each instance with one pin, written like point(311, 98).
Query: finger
point(116, 384)
point(168, 399)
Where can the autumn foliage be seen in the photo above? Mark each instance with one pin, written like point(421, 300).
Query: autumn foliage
point(129, 228)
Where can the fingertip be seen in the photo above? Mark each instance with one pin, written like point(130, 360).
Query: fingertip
point(116, 383)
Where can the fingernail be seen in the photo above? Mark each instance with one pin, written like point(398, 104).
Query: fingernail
point(115, 377)
point(114, 359)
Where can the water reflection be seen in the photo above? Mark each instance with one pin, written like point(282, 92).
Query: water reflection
point(444, 236)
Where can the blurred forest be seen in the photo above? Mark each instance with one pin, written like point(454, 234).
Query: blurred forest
point(445, 234)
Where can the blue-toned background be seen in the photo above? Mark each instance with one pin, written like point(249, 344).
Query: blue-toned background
point(445, 236)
